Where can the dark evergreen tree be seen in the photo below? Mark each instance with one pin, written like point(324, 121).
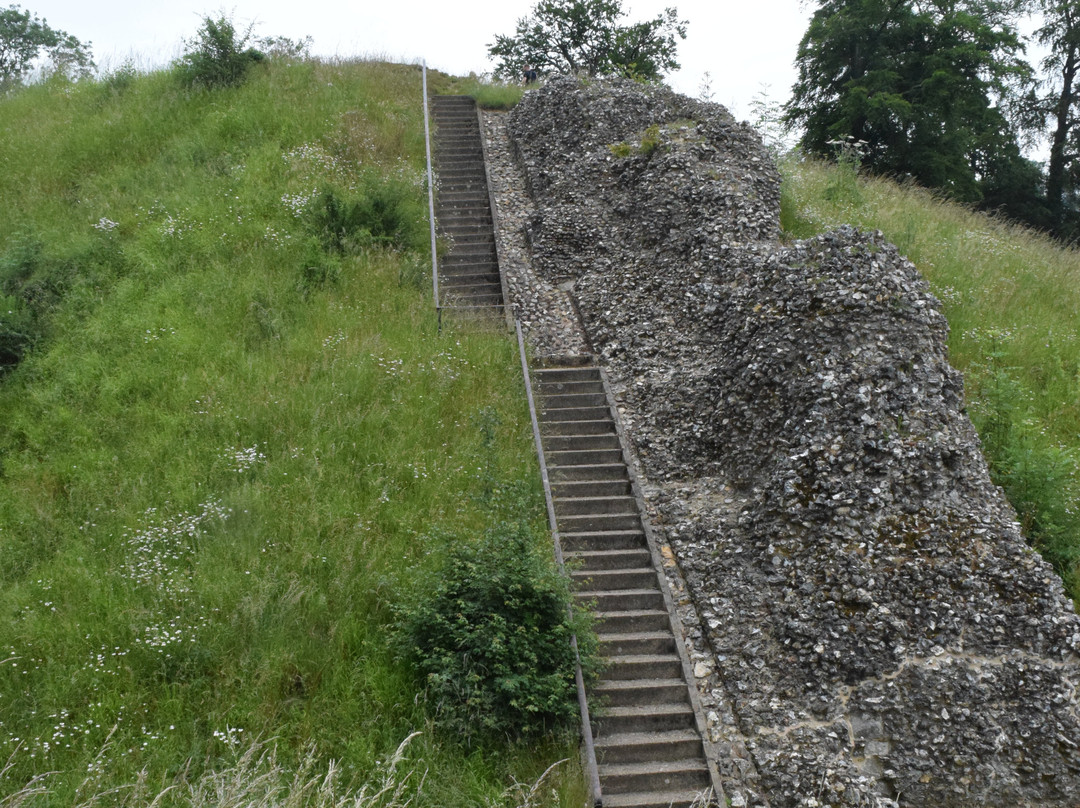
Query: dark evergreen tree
point(1058, 101)
point(922, 82)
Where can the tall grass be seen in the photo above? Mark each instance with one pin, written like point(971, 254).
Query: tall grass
point(487, 94)
point(228, 452)
point(1012, 299)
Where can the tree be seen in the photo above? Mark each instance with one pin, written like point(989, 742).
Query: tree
point(1060, 103)
point(922, 82)
point(585, 36)
point(25, 36)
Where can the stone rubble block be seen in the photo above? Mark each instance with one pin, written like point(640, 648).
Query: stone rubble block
point(873, 629)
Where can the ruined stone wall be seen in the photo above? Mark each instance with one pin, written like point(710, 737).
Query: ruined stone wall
point(876, 622)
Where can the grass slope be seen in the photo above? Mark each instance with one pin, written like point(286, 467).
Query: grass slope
point(230, 452)
point(1012, 299)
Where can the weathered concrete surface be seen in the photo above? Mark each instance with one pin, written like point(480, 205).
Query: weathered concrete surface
point(879, 630)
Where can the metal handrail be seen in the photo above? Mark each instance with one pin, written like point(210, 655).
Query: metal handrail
point(583, 704)
point(431, 195)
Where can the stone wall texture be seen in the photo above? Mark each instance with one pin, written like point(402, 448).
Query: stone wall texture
point(876, 622)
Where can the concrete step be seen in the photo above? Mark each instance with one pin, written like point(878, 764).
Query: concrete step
point(591, 522)
point(640, 643)
point(469, 290)
point(563, 460)
point(454, 200)
point(455, 276)
point(623, 693)
point(636, 747)
point(600, 541)
point(563, 400)
point(449, 157)
point(584, 413)
point(643, 718)
point(625, 600)
point(468, 234)
point(463, 220)
point(591, 488)
point(611, 580)
point(577, 428)
point(570, 388)
point(591, 561)
point(579, 506)
point(493, 315)
point(474, 253)
point(460, 180)
point(450, 101)
point(662, 799)
point(568, 374)
point(463, 183)
point(627, 620)
point(457, 300)
point(562, 475)
point(472, 213)
point(642, 666)
point(582, 443)
point(456, 168)
point(453, 279)
point(654, 776)
point(470, 263)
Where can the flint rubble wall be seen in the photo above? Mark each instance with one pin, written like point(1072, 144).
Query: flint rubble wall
point(873, 628)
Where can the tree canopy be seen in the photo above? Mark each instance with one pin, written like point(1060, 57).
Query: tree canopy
point(922, 82)
point(588, 36)
point(25, 36)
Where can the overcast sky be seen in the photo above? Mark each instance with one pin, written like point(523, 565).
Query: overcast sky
point(743, 45)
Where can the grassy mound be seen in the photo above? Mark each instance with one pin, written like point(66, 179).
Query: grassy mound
point(232, 440)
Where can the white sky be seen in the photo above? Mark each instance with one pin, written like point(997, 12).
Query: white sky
point(743, 45)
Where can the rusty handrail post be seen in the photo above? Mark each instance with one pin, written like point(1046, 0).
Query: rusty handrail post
point(431, 197)
point(583, 704)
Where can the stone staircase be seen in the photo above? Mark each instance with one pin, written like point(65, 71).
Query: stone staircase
point(648, 742)
point(469, 280)
point(645, 717)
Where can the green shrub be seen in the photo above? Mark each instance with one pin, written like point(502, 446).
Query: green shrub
point(492, 640)
point(218, 58)
point(381, 214)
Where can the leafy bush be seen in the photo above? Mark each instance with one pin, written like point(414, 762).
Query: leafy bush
point(492, 640)
point(218, 58)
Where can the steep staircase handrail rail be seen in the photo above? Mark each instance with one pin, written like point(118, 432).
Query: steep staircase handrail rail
point(592, 771)
point(430, 191)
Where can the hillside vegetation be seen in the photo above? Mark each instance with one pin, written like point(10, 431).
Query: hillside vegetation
point(1012, 299)
point(234, 445)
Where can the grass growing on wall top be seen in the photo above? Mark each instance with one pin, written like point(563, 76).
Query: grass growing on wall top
point(1012, 299)
point(228, 451)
